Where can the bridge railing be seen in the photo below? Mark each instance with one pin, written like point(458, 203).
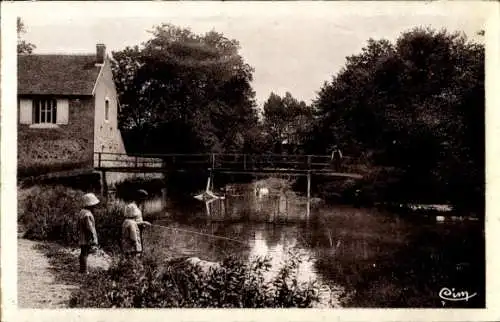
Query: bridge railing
point(120, 160)
point(226, 161)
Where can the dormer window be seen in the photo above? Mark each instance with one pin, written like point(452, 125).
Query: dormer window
point(106, 110)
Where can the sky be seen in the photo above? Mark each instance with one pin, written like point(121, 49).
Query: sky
point(293, 46)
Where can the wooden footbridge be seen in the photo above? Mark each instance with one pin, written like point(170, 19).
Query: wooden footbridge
point(265, 164)
point(262, 165)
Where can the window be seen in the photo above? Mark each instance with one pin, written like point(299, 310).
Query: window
point(106, 110)
point(45, 111)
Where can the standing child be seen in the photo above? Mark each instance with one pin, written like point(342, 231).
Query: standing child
point(131, 240)
point(133, 211)
point(86, 229)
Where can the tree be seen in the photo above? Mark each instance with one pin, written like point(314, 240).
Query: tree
point(286, 119)
point(416, 105)
point(183, 92)
point(23, 47)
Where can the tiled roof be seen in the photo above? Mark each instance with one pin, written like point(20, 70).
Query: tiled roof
point(56, 74)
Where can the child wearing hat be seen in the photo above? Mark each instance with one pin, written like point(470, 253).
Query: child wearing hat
point(86, 229)
point(132, 232)
point(132, 210)
point(131, 235)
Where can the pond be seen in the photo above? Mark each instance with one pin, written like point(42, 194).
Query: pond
point(380, 259)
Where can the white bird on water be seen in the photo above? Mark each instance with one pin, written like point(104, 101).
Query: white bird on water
point(261, 191)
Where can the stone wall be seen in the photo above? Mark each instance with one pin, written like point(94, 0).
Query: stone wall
point(64, 147)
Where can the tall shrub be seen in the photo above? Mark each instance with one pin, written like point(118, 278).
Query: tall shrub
point(51, 213)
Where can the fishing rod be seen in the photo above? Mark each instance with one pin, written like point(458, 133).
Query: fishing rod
point(208, 235)
point(202, 234)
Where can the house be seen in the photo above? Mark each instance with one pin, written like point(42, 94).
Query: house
point(68, 109)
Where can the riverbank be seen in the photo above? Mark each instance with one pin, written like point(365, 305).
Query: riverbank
point(49, 276)
point(48, 273)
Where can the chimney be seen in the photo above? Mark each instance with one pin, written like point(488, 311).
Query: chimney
point(100, 53)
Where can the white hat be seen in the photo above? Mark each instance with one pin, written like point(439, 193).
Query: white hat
point(89, 200)
point(132, 211)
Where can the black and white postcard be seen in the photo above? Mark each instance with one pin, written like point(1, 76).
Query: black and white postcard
point(333, 157)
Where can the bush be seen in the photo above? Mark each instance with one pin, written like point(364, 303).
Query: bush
point(50, 213)
point(177, 283)
point(109, 222)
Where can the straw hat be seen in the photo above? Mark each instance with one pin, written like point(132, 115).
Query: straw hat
point(89, 200)
point(131, 211)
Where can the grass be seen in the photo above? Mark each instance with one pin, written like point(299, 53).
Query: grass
point(63, 264)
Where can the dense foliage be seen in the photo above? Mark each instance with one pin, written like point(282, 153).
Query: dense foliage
point(182, 92)
point(177, 283)
point(417, 106)
point(50, 213)
point(286, 120)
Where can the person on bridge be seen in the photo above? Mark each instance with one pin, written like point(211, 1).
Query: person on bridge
point(86, 230)
point(337, 157)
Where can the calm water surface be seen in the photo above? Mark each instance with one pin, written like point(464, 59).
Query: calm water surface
point(380, 259)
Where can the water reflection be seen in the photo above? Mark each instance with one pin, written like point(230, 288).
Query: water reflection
point(277, 249)
point(380, 257)
point(277, 207)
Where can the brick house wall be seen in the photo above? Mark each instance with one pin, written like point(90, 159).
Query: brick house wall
point(63, 147)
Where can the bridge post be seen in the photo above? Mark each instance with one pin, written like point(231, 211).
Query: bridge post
point(308, 212)
point(104, 184)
